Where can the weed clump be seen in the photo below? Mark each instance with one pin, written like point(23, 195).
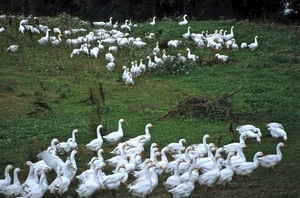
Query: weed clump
point(206, 107)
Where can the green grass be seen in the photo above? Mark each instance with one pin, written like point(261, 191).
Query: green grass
point(269, 76)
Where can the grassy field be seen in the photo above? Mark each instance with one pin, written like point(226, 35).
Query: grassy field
point(267, 80)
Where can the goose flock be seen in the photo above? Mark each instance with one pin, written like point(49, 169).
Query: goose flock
point(107, 38)
point(185, 165)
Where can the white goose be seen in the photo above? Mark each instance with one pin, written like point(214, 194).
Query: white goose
point(274, 124)
point(164, 160)
point(269, 161)
point(75, 52)
point(184, 189)
point(175, 147)
point(229, 36)
point(142, 66)
point(204, 159)
point(73, 166)
point(137, 69)
point(109, 57)
point(248, 127)
point(100, 159)
point(100, 46)
point(174, 180)
point(210, 177)
point(234, 46)
point(184, 166)
point(244, 45)
point(7, 180)
point(32, 177)
point(51, 160)
point(228, 43)
point(146, 136)
point(13, 48)
point(135, 146)
point(91, 185)
point(187, 34)
point(190, 56)
point(45, 39)
point(32, 181)
point(142, 186)
point(157, 60)
point(232, 147)
point(94, 52)
point(109, 23)
point(277, 132)
point(246, 168)
point(156, 49)
point(115, 160)
point(221, 58)
point(184, 22)
point(195, 173)
point(66, 147)
point(39, 190)
point(113, 181)
point(116, 25)
point(208, 164)
point(202, 147)
point(153, 21)
point(21, 27)
point(57, 40)
point(87, 173)
point(110, 66)
point(125, 73)
point(15, 189)
point(62, 181)
point(151, 65)
point(227, 172)
point(96, 143)
point(125, 25)
point(129, 80)
point(240, 156)
point(254, 45)
point(171, 164)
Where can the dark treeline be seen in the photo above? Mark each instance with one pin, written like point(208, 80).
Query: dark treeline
point(141, 10)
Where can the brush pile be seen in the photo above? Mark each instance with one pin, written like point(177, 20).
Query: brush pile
point(205, 107)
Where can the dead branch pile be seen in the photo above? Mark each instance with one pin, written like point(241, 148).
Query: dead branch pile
point(205, 107)
point(40, 107)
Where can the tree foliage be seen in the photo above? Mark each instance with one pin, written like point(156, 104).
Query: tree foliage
point(137, 10)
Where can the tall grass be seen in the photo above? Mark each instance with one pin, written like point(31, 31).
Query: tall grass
point(268, 75)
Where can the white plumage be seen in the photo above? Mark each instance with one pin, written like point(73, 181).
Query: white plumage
point(184, 189)
point(94, 52)
point(269, 161)
point(221, 58)
point(184, 22)
point(277, 132)
point(254, 45)
point(151, 65)
point(96, 143)
point(187, 34)
point(111, 66)
point(129, 81)
point(227, 172)
point(246, 168)
point(115, 136)
point(15, 189)
point(7, 180)
point(191, 57)
point(153, 21)
point(44, 39)
point(13, 48)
